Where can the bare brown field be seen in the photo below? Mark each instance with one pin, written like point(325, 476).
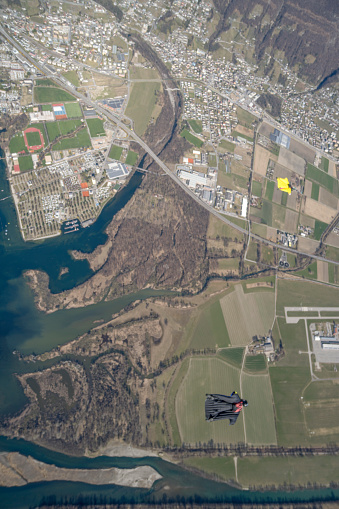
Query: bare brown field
point(303, 151)
point(282, 171)
point(307, 245)
point(245, 153)
point(327, 198)
point(271, 233)
point(322, 271)
point(307, 221)
point(331, 169)
point(247, 314)
point(292, 201)
point(261, 158)
point(308, 188)
point(291, 161)
point(266, 129)
point(244, 130)
point(333, 240)
point(277, 195)
point(291, 221)
point(318, 210)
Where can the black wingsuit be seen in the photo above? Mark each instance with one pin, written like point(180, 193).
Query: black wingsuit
point(218, 406)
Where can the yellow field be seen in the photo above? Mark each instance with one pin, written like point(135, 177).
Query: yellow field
point(206, 375)
point(247, 315)
point(259, 415)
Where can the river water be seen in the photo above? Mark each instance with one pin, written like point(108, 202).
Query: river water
point(23, 328)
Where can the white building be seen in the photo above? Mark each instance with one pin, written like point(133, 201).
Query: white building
point(244, 206)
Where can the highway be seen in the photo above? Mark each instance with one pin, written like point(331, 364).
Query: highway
point(111, 116)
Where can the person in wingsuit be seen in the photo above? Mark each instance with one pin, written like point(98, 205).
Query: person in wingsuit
point(218, 406)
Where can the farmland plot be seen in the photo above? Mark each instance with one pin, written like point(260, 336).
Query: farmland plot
point(259, 415)
point(247, 314)
point(206, 375)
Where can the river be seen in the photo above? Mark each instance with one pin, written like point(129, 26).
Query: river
point(23, 328)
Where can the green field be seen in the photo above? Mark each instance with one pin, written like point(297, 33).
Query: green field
point(115, 152)
point(252, 251)
point(327, 389)
point(33, 139)
point(222, 467)
point(81, 140)
point(293, 337)
point(304, 293)
point(53, 130)
point(206, 375)
point(44, 82)
point(310, 272)
point(247, 314)
point(255, 363)
point(141, 104)
point(319, 228)
point(72, 77)
point(235, 134)
point(269, 190)
point(324, 164)
point(256, 188)
point(196, 125)
point(41, 128)
point(227, 145)
point(232, 356)
point(68, 126)
point(332, 253)
point(210, 330)
point(315, 191)
point(288, 384)
point(265, 213)
point(17, 144)
point(73, 110)
point(51, 94)
point(96, 127)
point(291, 470)
point(131, 158)
point(26, 163)
point(46, 107)
point(191, 139)
point(259, 414)
point(284, 197)
point(322, 178)
point(245, 118)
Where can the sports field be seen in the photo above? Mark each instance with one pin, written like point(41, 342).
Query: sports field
point(73, 110)
point(96, 127)
point(141, 104)
point(131, 158)
point(26, 163)
point(81, 140)
point(53, 130)
point(210, 330)
point(33, 139)
point(17, 144)
point(68, 126)
point(51, 94)
point(259, 414)
point(247, 314)
point(115, 152)
point(206, 375)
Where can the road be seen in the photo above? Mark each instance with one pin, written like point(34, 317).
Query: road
point(161, 164)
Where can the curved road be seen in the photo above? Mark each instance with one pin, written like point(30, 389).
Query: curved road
point(147, 149)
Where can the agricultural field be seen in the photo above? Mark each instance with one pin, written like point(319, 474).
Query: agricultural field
point(191, 139)
point(233, 356)
point(210, 329)
point(255, 363)
point(51, 94)
point(73, 110)
point(247, 314)
point(256, 188)
point(131, 158)
point(259, 415)
point(206, 375)
point(322, 178)
point(235, 134)
point(227, 145)
point(141, 104)
point(245, 118)
point(115, 152)
point(96, 127)
point(223, 467)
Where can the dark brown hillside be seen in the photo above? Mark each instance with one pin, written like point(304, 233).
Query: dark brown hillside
point(305, 30)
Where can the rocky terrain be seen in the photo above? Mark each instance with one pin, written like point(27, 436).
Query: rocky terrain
point(306, 32)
